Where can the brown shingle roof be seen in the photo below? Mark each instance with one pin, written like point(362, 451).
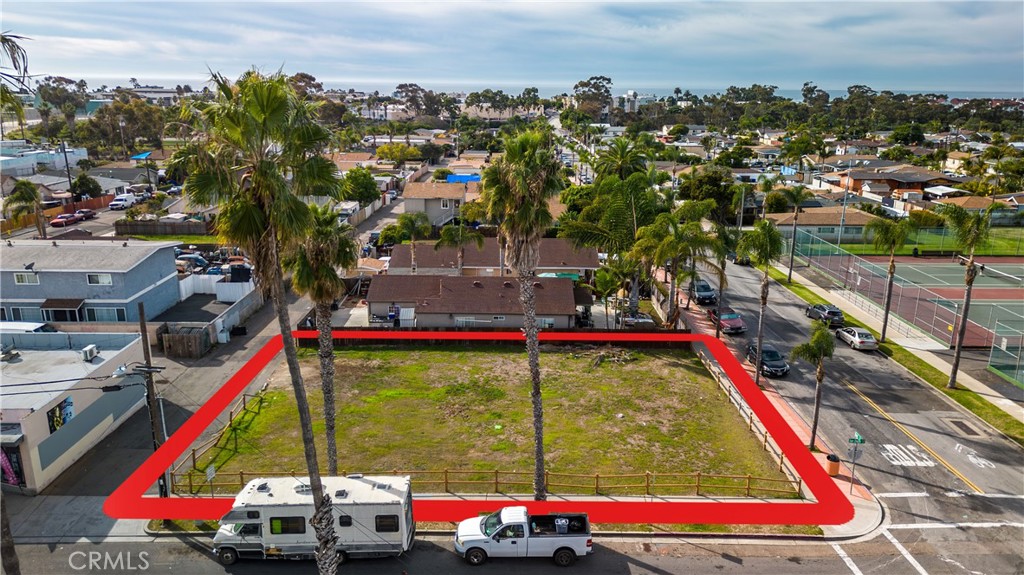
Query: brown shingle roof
point(554, 253)
point(973, 202)
point(476, 295)
point(829, 216)
point(439, 190)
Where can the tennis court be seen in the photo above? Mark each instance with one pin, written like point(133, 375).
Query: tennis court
point(928, 292)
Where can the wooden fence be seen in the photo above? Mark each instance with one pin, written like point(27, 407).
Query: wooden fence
point(127, 228)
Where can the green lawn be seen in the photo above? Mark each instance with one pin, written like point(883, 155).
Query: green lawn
point(1003, 241)
point(970, 400)
point(458, 408)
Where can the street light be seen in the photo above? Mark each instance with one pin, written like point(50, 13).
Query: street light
point(146, 372)
point(120, 123)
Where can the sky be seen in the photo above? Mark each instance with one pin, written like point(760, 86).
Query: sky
point(951, 47)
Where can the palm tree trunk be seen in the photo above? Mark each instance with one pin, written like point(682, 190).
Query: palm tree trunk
point(969, 275)
point(607, 323)
point(693, 273)
point(721, 282)
point(11, 564)
point(526, 297)
point(820, 376)
point(40, 222)
point(326, 344)
point(412, 255)
point(672, 289)
point(792, 247)
point(888, 294)
point(323, 523)
point(760, 326)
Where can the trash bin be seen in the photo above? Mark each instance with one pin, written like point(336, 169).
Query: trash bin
point(915, 252)
point(833, 465)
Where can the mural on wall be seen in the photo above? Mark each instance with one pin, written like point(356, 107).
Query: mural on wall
point(60, 414)
point(11, 475)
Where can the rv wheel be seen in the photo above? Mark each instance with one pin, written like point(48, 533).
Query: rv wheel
point(476, 556)
point(342, 557)
point(564, 557)
point(227, 556)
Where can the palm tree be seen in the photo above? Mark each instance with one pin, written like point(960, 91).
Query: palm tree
point(822, 345)
point(889, 236)
point(726, 239)
point(795, 196)
point(516, 191)
point(971, 231)
point(414, 225)
point(314, 261)
point(621, 158)
point(25, 199)
point(763, 245)
point(605, 284)
point(458, 237)
point(256, 148)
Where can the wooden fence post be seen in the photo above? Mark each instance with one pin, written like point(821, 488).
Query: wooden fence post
point(496, 490)
point(446, 481)
point(194, 459)
point(597, 484)
point(647, 482)
point(698, 484)
point(782, 457)
point(748, 485)
point(190, 486)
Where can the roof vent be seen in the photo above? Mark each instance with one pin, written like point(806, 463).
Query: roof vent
point(341, 494)
point(263, 487)
point(507, 284)
point(303, 488)
point(478, 283)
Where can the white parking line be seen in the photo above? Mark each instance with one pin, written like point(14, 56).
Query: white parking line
point(954, 525)
point(908, 494)
point(846, 559)
point(903, 551)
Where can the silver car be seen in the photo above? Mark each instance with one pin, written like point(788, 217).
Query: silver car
point(857, 338)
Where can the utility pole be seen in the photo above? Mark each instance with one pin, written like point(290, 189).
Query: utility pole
point(846, 193)
point(67, 169)
point(147, 373)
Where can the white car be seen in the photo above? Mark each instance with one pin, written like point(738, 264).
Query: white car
point(857, 338)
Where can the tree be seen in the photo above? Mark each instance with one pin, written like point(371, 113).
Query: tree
point(890, 236)
point(621, 158)
point(795, 196)
point(516, 191)
point(971, 231)
point(821, 346)
point(458, 237)
point(763, 245)
point(413, 225)
point(255, 149)
point(775, 202)
point(25, 199)
point(726, 239)
point(398, 153)
point(358, 185)
point(314, 261)
point(605, 285)
point(85, 186)
point(65, 95)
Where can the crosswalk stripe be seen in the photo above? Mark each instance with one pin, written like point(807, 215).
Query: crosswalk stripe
point(906, 554)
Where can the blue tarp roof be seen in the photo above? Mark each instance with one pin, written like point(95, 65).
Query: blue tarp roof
point(462, 178)
point(142, 156)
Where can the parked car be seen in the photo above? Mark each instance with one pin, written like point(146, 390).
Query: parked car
point(857, 338)
point(174, 191)
point(64, 220)
point(85, 214)
point(702, 292)
point(512, 532)
point(730, 320)
point(773, 363)
point(827, 313)
point(740, 260)
point(636, 320)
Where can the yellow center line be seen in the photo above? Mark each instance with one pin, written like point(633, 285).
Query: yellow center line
point(900, 426)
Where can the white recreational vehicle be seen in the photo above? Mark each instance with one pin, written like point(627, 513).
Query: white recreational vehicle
point(270, 518)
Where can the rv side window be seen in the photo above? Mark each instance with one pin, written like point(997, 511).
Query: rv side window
point(284, 525)
point(250, 529)
point(344, 521)
point(387, 523)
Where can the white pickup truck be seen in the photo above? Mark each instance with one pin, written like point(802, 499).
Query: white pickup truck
point(512, 532)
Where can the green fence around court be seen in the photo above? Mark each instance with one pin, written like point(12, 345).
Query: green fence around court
point(1007, 356)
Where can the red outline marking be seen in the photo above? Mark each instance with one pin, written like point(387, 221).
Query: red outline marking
point(831, 507)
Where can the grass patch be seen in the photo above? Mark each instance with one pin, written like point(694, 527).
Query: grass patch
point(970, 400)
point(1002, 242)
point(458, 408)
point(181, 526)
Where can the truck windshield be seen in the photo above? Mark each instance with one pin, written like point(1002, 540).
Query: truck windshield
point(491, 523)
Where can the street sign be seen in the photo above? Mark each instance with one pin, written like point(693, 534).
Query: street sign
point(854, 453)
point(211, 472)
point(856, 438)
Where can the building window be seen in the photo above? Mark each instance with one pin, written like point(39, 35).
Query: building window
point(854, 230)
point(545, 322)
point(344, 521)
point(386, 523)
point(826, 230)
point(445, 204)
point(498, 318)
point(59, 315)
point(284, 525)
point(100, 280)
point(23, 279)
point(3, 314)
point(107, 314)
point(26, 314)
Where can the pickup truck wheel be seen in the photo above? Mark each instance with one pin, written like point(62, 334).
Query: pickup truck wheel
point(476, 556)
point(564, 557)
point(227, 556)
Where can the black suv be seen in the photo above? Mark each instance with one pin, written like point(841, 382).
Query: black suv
point(703, 293)
point(827, 313)
point(773, 363)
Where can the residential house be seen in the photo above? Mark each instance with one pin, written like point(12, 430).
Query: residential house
point(439, 200)
point(976, 204)
point(349, 160)
point(558, 256)
point(72, 281)
point(453, 301)
point(825, 222)
point(57, 405)
point(57, 187)
point(956, 161)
